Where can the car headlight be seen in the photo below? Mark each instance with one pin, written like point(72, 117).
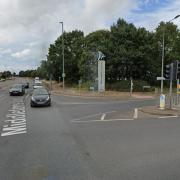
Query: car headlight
point(32, 98)
point(47, 98)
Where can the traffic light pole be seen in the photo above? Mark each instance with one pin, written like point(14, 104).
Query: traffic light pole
point(170, 89)
point(177, 94)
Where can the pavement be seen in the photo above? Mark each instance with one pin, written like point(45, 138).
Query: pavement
point(155, 110)
point(80, 138)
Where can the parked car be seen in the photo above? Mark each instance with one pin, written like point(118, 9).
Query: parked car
point(40, 97)
point(2, 80)
point(17, 89)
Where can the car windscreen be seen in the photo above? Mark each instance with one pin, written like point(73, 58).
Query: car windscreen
point(38, 84)
point(40, 92)
point(17, 86)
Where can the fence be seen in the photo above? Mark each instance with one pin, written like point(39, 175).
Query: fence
point(174, 100)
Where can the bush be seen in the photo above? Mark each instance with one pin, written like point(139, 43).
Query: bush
point(124, 86)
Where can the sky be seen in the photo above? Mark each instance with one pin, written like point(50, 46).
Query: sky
point(28, 27)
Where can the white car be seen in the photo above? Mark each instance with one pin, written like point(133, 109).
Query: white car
point(38, 85)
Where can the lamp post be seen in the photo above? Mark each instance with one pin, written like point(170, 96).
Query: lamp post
point(63, 73)
point(162, 65)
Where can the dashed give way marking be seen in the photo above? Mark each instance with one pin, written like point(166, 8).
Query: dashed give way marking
point(15, 122)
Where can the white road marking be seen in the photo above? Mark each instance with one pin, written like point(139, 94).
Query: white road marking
point(135, 113)
point(16, 120)
point(88, 116)
point(106, 120)
point(164, 117)
point(103, 116)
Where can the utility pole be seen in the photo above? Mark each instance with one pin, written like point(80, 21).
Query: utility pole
point(177, 93)
point(63, 73)
point(162, 65)
point(163, 44)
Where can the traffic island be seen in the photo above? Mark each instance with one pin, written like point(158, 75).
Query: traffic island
point(154, 110)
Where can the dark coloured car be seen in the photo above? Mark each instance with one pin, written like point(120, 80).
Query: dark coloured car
point(26, 85)
point(40, 97)
point(17, 89)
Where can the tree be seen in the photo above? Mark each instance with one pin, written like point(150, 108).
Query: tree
point(73, 44)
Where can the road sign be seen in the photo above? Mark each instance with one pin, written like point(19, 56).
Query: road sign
point(161, 78)
point(162, 101)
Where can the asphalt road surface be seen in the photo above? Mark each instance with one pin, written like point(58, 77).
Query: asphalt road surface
point(85, 139)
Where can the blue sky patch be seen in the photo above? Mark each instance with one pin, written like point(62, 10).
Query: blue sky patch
point(152, 5)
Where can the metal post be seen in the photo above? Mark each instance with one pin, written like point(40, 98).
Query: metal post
point(131, 88)
point(162, 65)
point(51, 81)
point(177, 94)
point(170, 89)
point(63, 74)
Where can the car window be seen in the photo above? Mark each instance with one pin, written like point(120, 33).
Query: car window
point(38, 84)
point(40, 92)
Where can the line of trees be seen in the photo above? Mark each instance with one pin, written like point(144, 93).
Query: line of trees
point(6, 74)
point(131, 52)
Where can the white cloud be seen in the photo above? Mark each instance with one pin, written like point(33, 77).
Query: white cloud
point(5, 51)
point(21, 54)
point(151, 20)
point(32, 25)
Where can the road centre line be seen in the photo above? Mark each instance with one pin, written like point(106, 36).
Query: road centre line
point(88, 116)
point(106, 120)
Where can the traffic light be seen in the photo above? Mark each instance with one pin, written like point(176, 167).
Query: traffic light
point(176, 70)
point(167, 72)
